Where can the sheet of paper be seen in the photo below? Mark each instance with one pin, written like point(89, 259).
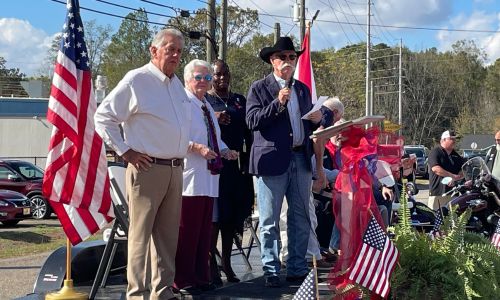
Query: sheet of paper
point(316, 106)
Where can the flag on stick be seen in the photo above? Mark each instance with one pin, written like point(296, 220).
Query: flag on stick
point(76, 179)
point(495, 239)
point(375, 260)
point(308, 288)
point(304, 70)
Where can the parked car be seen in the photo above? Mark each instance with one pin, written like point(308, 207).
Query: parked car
point(422, 154)
point(14, 207)
point(25, 178)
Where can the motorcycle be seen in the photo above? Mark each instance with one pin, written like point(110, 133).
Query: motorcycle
point(480, 193)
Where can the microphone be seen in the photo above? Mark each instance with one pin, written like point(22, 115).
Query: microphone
point(289, 85)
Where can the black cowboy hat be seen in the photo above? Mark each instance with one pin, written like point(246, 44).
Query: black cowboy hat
point(283, 43)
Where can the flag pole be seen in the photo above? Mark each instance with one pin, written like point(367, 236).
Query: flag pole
point(315, 277)
point(67, 291)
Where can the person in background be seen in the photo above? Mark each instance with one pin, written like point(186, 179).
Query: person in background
point(443, 161)
point(493, 159)
point(151, 105)
point(236, 194)
point(281, 159)
point(203, 165)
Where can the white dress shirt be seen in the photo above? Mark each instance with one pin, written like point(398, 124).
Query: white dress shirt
point(154, 111)
point(294, 113)
point(198, 181)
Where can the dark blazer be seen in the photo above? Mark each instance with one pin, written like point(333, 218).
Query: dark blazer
point(272, 133)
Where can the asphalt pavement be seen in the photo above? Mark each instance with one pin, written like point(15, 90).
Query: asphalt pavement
point(18, 275)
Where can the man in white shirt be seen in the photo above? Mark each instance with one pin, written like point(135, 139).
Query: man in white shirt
point(493, 159)
point(154, 111)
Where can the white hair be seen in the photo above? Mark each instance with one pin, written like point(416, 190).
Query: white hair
point(189, 68)
point(159, 39)
point(334, 103)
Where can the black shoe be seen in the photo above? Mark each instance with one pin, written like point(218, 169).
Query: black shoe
point(296, 279)
point(272, 281)
point(232, 279)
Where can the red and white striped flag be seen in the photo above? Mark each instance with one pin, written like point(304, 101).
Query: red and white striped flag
point(495, 239)
point(304, 70)
point(76, 179)
point(375, 261)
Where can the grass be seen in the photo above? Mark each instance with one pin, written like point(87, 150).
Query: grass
point(37, 240)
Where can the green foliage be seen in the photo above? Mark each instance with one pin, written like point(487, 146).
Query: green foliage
point(10, 79)
point(460, 265)
point(129, 48)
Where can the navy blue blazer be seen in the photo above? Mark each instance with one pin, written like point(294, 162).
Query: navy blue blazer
point(272, 133)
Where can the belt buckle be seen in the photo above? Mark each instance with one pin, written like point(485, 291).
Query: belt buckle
point(173, 161)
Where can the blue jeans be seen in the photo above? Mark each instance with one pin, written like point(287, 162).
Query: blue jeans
point(335, 238)
point(295, 184)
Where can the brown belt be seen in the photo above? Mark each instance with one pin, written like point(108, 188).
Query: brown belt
point(174, 162)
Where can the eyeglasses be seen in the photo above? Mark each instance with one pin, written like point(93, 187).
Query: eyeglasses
point(283, 57)
point(199, 77)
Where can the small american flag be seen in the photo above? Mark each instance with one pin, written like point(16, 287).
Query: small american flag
point(76, 179)
point(375, 261)
point(495, 239)
point(438, 221)
point(307, 290)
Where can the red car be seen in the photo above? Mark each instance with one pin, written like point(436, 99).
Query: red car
point(14, 207)
point(25, 178)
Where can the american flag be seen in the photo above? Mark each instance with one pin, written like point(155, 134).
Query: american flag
point(304, 70)
point(438, 222)
point(495, 239)
point(307, 290)
point(375, 261)
point(76, 179)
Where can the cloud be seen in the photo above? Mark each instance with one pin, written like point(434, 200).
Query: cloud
point(477, 20)
point(22, 45)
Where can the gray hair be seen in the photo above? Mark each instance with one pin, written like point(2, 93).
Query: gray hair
point(159, 39)
point(334, 103)
point(189, 68)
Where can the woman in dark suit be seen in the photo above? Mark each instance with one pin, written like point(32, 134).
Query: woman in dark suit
point(236, 195)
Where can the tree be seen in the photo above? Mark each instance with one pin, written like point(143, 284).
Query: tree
point(97, 39)
point(10, 79)
point(129, 48)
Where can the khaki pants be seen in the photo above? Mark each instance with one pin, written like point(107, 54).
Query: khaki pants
point(154, 198)
point(436, 202)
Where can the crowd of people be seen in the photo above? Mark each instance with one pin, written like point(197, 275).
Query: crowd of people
point(192, 150)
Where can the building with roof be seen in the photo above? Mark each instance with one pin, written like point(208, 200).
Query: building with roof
point(24, 129)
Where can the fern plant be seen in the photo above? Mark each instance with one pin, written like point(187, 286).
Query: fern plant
point(460, 265)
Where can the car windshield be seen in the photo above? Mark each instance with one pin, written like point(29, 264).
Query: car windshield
point(28, 170)
point(417, 152)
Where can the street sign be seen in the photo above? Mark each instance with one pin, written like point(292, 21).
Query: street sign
point(391, 127)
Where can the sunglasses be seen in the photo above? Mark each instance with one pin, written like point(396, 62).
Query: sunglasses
point(283, 57)
point(199, 77)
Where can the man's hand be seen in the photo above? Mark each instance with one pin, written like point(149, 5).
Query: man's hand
point(387, 193)
point(139, 160)
point(315, 117)
point(320, 183)
point(223, 117)
point(284, 95)
point(229, 154)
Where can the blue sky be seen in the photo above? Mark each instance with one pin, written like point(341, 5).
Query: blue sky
point(28, 26)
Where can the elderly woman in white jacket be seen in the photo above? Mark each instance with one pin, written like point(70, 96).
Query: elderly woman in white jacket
point(201, 182)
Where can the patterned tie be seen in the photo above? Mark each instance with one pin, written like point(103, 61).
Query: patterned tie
point(214, 165)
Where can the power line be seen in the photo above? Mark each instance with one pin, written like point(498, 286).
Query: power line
point(135, 9)
point(322, 33)
point(116, 16)
point(243, 11)
point(335, 14)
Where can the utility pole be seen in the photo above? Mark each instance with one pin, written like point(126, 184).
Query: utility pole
point(371, 97)
point(277, 32)
point(211, 43)
point(367, 84)
point(400, 94)
point(302, 20)
point(223, 43)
